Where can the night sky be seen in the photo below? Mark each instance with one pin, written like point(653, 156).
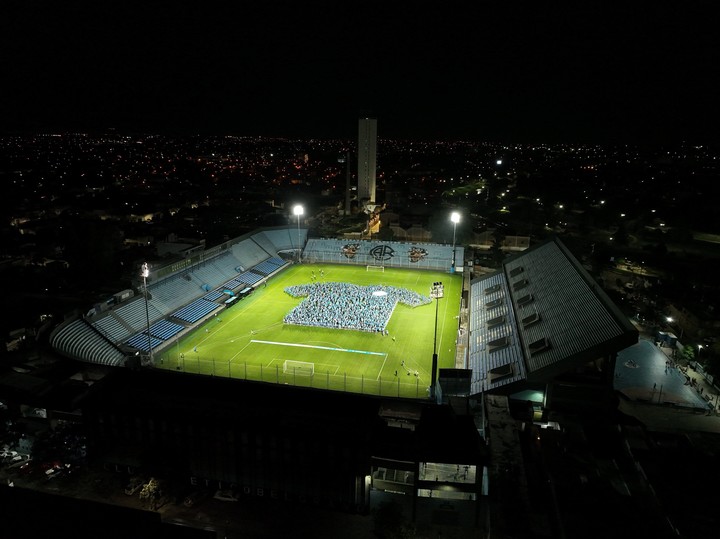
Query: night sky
point(496, 71)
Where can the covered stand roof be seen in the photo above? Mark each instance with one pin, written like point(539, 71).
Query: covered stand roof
point(540, 315)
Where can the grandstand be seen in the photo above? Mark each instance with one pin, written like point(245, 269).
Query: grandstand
point(430, 256)
point(180, 295)
point(158, 328)
point(77, 339)
point(539, 316)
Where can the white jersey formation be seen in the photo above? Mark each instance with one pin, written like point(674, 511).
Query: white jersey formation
point(349, 306)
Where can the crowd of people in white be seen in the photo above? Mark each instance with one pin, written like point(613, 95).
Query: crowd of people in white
point(349, 306)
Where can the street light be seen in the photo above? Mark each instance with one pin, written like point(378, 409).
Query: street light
point(669, 320)
point(455, 218)
point(436, 292)
point(298, 210)
point(145, 272)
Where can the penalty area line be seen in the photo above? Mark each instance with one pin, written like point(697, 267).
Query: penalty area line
point(322, 348)
point(381, 368)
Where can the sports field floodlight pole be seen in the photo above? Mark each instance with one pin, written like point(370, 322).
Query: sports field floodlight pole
point(298, 210)
point(436, 292)
point(455, 218)
point(145, 272)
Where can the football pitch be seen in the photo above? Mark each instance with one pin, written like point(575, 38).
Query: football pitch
point(250, 341)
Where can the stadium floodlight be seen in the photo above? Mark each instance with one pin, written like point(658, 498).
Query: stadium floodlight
point(436, 292)
point(298, 210)
point(455, 218)
point(145, 272)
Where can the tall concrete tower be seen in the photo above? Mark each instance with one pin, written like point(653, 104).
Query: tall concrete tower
point(367, 158)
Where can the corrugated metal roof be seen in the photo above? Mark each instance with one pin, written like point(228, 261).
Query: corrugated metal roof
point(572, 317)
point(481, 360)
point(560, 303)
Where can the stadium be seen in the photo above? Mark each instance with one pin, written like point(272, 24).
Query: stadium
point(346, 374)
point(276, 307)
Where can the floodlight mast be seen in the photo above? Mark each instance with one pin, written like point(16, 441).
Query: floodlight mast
point(298, 210)
point(455, 218)
point(436, 292)
point(145, 272)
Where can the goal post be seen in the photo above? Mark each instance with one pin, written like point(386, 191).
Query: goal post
point(375, 268)
point(298, 367)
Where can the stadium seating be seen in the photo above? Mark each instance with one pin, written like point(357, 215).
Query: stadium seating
point(173, 293)
point(188, 295)
point(266, 244)
point(277, 261)
point(387, 253)
point(226, 263)
point(250, 278)
point(266, 267)
point(248, 253)
point(165, 329)
point(195, 311)
point(209, 273)
point(140, 341)
point(284, 239)
point(133, 313)
point(231, 285)
point(112, 328)
point(78, 340)
point(214, 295)
point(160, 332)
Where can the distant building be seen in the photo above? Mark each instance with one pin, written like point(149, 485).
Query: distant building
point(367, 158)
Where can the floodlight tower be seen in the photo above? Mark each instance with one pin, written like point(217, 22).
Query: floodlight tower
point(455, 218)
point(298, 210)
point(145, 272)
point(436, 292)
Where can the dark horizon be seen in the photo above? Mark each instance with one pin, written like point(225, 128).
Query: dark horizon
point(554, 74)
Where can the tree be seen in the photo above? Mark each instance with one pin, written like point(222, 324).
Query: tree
point(151, 493)
point(688, 352)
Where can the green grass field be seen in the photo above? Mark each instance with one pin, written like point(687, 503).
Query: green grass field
point(249, 340)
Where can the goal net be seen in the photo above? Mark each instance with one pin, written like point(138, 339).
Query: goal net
point(376, 268)
point(298, 367)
